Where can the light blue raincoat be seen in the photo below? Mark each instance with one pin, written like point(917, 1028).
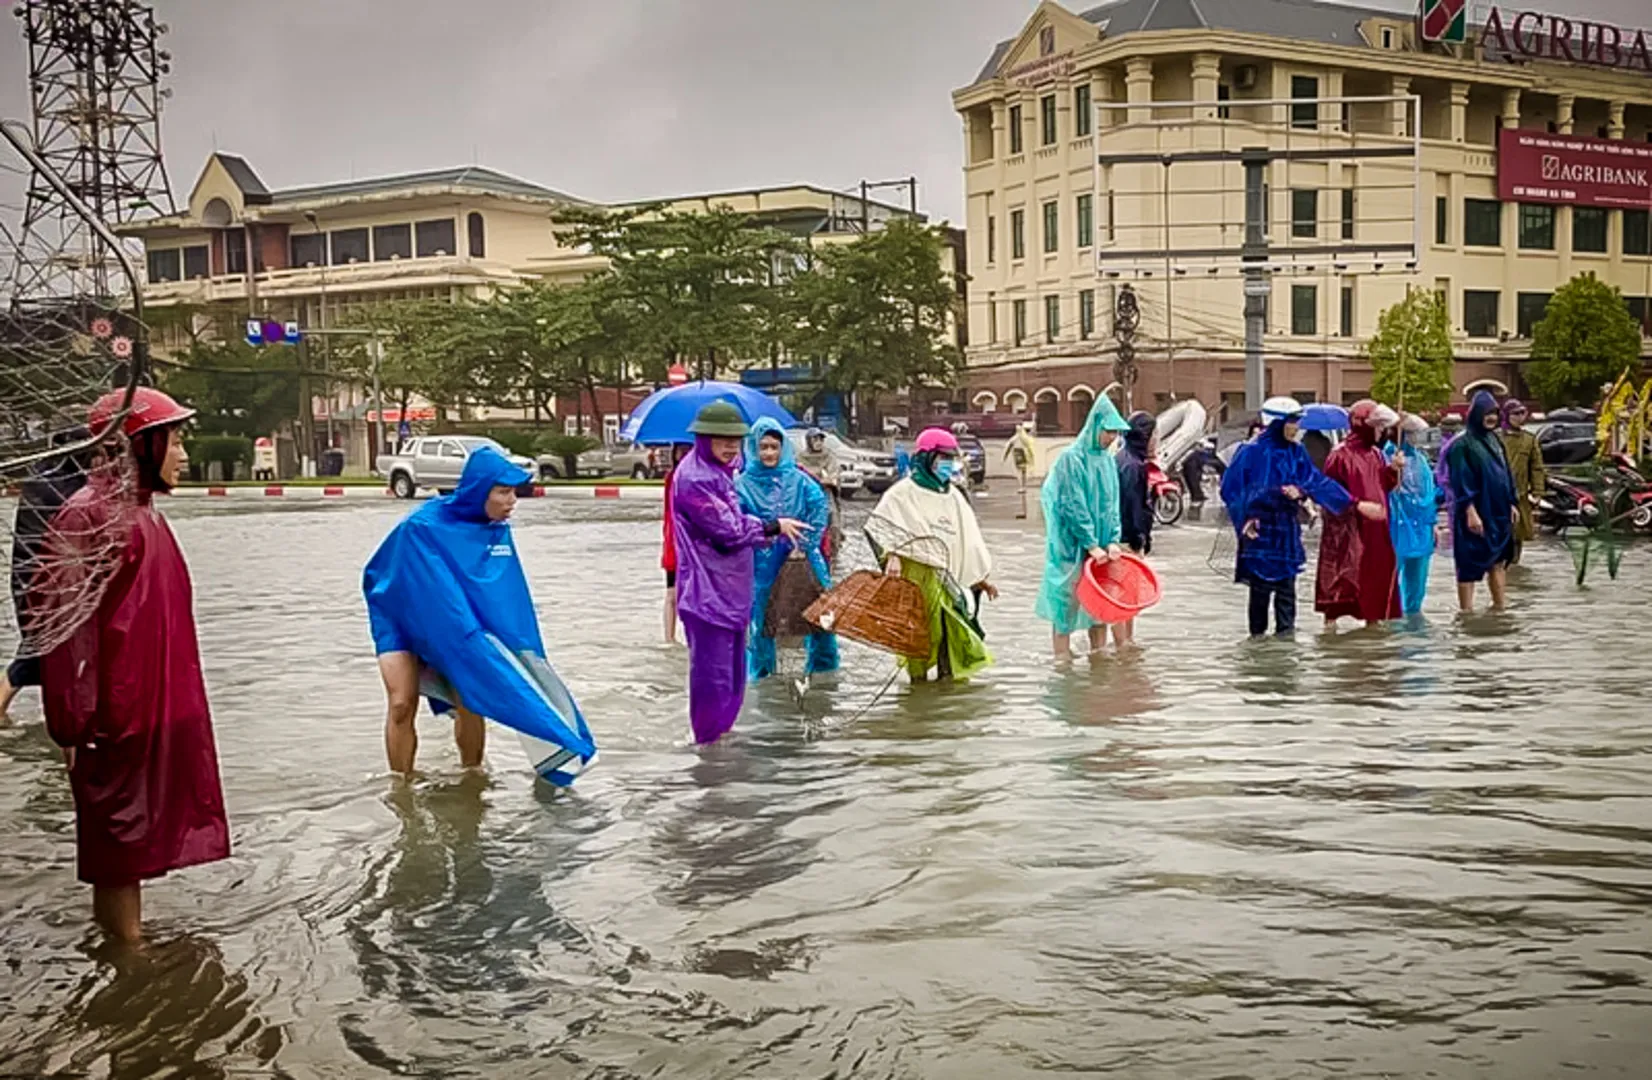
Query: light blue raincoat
point(784, 490)
point(1081, 511)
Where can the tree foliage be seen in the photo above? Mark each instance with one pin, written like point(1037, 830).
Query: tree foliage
point(1585, 340)
point(1411, 355)
point(235, 388)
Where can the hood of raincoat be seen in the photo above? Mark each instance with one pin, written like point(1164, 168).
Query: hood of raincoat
point(1482, 406)
point(753, 465)
point(766, 489)
point(1510, 407)
point(702, 451)
point(450, 582)
point(1140, 435)
point(1364, 428)
point(1104, 416)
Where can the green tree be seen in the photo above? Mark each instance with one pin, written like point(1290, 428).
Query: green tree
point(1585, 340)
point(437, 349)
point(875, 312)
point(235, 388)
point(1411, 357)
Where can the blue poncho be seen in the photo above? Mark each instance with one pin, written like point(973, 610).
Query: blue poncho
point(1479, 474)
point(1253, 490)
point(1081, 511)
point(769, 493)
point(1413, 507)
point(449, 582)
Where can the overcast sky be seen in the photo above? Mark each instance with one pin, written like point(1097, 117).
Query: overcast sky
point(605, 99)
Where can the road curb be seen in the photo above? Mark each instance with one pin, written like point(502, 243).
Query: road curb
point(366, 491)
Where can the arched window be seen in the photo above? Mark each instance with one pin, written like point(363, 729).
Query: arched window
point(478, 235)
point(986, 401)
point(1015, 401)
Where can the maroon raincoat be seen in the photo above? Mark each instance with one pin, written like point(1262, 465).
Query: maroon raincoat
point(1357, 570)
point(126, 693)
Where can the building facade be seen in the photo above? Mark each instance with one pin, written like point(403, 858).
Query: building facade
point(1104, 151)
point(321, 255)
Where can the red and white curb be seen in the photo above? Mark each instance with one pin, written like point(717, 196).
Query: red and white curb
point(362, 491)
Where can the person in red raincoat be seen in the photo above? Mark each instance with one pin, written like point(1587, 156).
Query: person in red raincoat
point(668, 548)
point(1357, 569)
point(124, 695)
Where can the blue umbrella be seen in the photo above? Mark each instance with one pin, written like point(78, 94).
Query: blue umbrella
point(1323, 416)
point(664, 416)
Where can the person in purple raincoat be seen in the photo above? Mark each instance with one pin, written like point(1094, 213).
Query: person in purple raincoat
point(715, 572)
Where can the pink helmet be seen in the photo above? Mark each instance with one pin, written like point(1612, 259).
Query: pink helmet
point(935, 439)
point(150, 408)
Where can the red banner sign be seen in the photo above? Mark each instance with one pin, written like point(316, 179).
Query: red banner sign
point(1536, 167)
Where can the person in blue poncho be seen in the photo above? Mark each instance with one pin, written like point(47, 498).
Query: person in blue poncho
point(1483, 507)
point(1264, 489)
point(1081, 521)
point(772, 486)
point(1413, 518)
point(451, 616)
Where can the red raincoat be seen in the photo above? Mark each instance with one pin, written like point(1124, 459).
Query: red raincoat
point(1357, 570)
point(126, 693)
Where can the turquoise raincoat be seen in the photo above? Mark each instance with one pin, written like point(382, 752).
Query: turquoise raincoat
point(1081, 511)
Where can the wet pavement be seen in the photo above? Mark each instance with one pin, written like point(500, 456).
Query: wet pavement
point(1403, 852)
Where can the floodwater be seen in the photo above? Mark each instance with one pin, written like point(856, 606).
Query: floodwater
point(1404, 853)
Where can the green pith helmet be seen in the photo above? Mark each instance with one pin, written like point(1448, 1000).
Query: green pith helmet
point(720, 418)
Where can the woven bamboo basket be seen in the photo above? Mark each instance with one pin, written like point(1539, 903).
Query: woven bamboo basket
point(878, 610)
point(795, 589)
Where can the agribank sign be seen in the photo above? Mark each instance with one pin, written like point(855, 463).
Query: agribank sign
point(1534, 166)
point(1528, 35)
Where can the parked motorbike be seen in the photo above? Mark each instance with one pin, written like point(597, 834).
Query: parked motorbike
point(1566, 503)
point(1166, 495)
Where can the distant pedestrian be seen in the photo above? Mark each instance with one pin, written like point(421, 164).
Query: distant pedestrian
point(1022, 452)
point(1531, 479)
point(668, 548)
point(1484, 513)
point(1082, 522)
point(1413, 520)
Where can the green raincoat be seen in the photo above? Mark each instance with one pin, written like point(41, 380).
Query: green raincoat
point(1081, 511)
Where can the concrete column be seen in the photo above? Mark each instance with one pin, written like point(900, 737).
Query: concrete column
point(1567, 104)
point(1000, 135)
point(1330, 114)
point(1138, 82)
point(1511, 107)
point(1565, 111)
point(1459, 112)
point(1207, 75)
point(1398, 111)
point(1507, 312)
point(1454, 212)
point(1614, 119)
point(1102, 90)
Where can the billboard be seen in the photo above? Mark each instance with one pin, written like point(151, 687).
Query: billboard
point(1573, 170)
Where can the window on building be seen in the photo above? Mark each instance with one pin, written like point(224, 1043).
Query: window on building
point(1052, 222)
point(433, 238)
point(1018, 234)
point(1052, 318)
point(1345, 314)
point(1305, 112)
point(1640, 309)
point(1480, 312)
point(992, 239)
point(1112, 231)
point(166, 265)
point(1015, 129)
point(1046, 120)
point(196, 263)
point(1018, 311)
point(1588, 228)
point(1637, 231)
point(1304, 213)
point(992, 319)
point(1482, 223)
point(1536, 227)
point(1084, 116)
point(348, 246)
point(1224, 92)
point(477, 235)
point(235, 251)
point(1086, 216)
point(1347, 213)
point(1442, 222)
point(308, 249)
point(1086, 312)
point(392, 242)
point(1304, 309)
point(1387, 37)
point(1528, 311)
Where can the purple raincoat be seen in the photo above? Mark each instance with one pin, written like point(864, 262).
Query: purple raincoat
point(715, 575)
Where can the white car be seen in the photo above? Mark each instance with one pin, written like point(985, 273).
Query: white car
point(851, 477)
point(435, 461)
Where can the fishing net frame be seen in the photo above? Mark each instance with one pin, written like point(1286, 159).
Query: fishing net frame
point(72, 331)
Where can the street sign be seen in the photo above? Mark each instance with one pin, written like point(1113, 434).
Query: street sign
point(676, 375)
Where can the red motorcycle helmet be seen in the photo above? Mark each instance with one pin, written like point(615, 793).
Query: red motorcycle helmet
point(151, 408)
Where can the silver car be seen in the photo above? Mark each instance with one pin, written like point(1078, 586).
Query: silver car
point(436, 461)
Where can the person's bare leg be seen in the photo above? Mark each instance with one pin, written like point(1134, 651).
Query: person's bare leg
point(1062, 645)
point(471, 734)
point(671, 614)
point(1124, 633)
point(8, 694)
point(400, 672)
point(1098, 639)
point(119, 910)
point(1498, 581)
point(1465, 595)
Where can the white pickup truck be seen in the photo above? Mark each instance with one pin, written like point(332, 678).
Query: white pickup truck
point(435, 462)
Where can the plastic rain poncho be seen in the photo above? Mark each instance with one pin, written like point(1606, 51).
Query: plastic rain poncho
point(770, 493)
point(1081, 511)
point(448, 585)
point(1480, 478)
point(1253, 490)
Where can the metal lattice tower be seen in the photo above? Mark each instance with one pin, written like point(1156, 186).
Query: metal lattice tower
point(94, 83)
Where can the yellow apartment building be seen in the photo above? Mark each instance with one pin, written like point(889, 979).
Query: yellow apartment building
point(1490, 170)
point(320, 255)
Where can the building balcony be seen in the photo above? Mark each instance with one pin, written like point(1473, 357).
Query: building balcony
point(360, 277)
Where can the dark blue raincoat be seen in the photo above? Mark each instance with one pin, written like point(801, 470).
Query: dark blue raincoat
point(447, 586)
point(1253, 490)
point(1479, 475)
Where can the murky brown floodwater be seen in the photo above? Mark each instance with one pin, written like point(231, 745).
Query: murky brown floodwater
point(1402, 853)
